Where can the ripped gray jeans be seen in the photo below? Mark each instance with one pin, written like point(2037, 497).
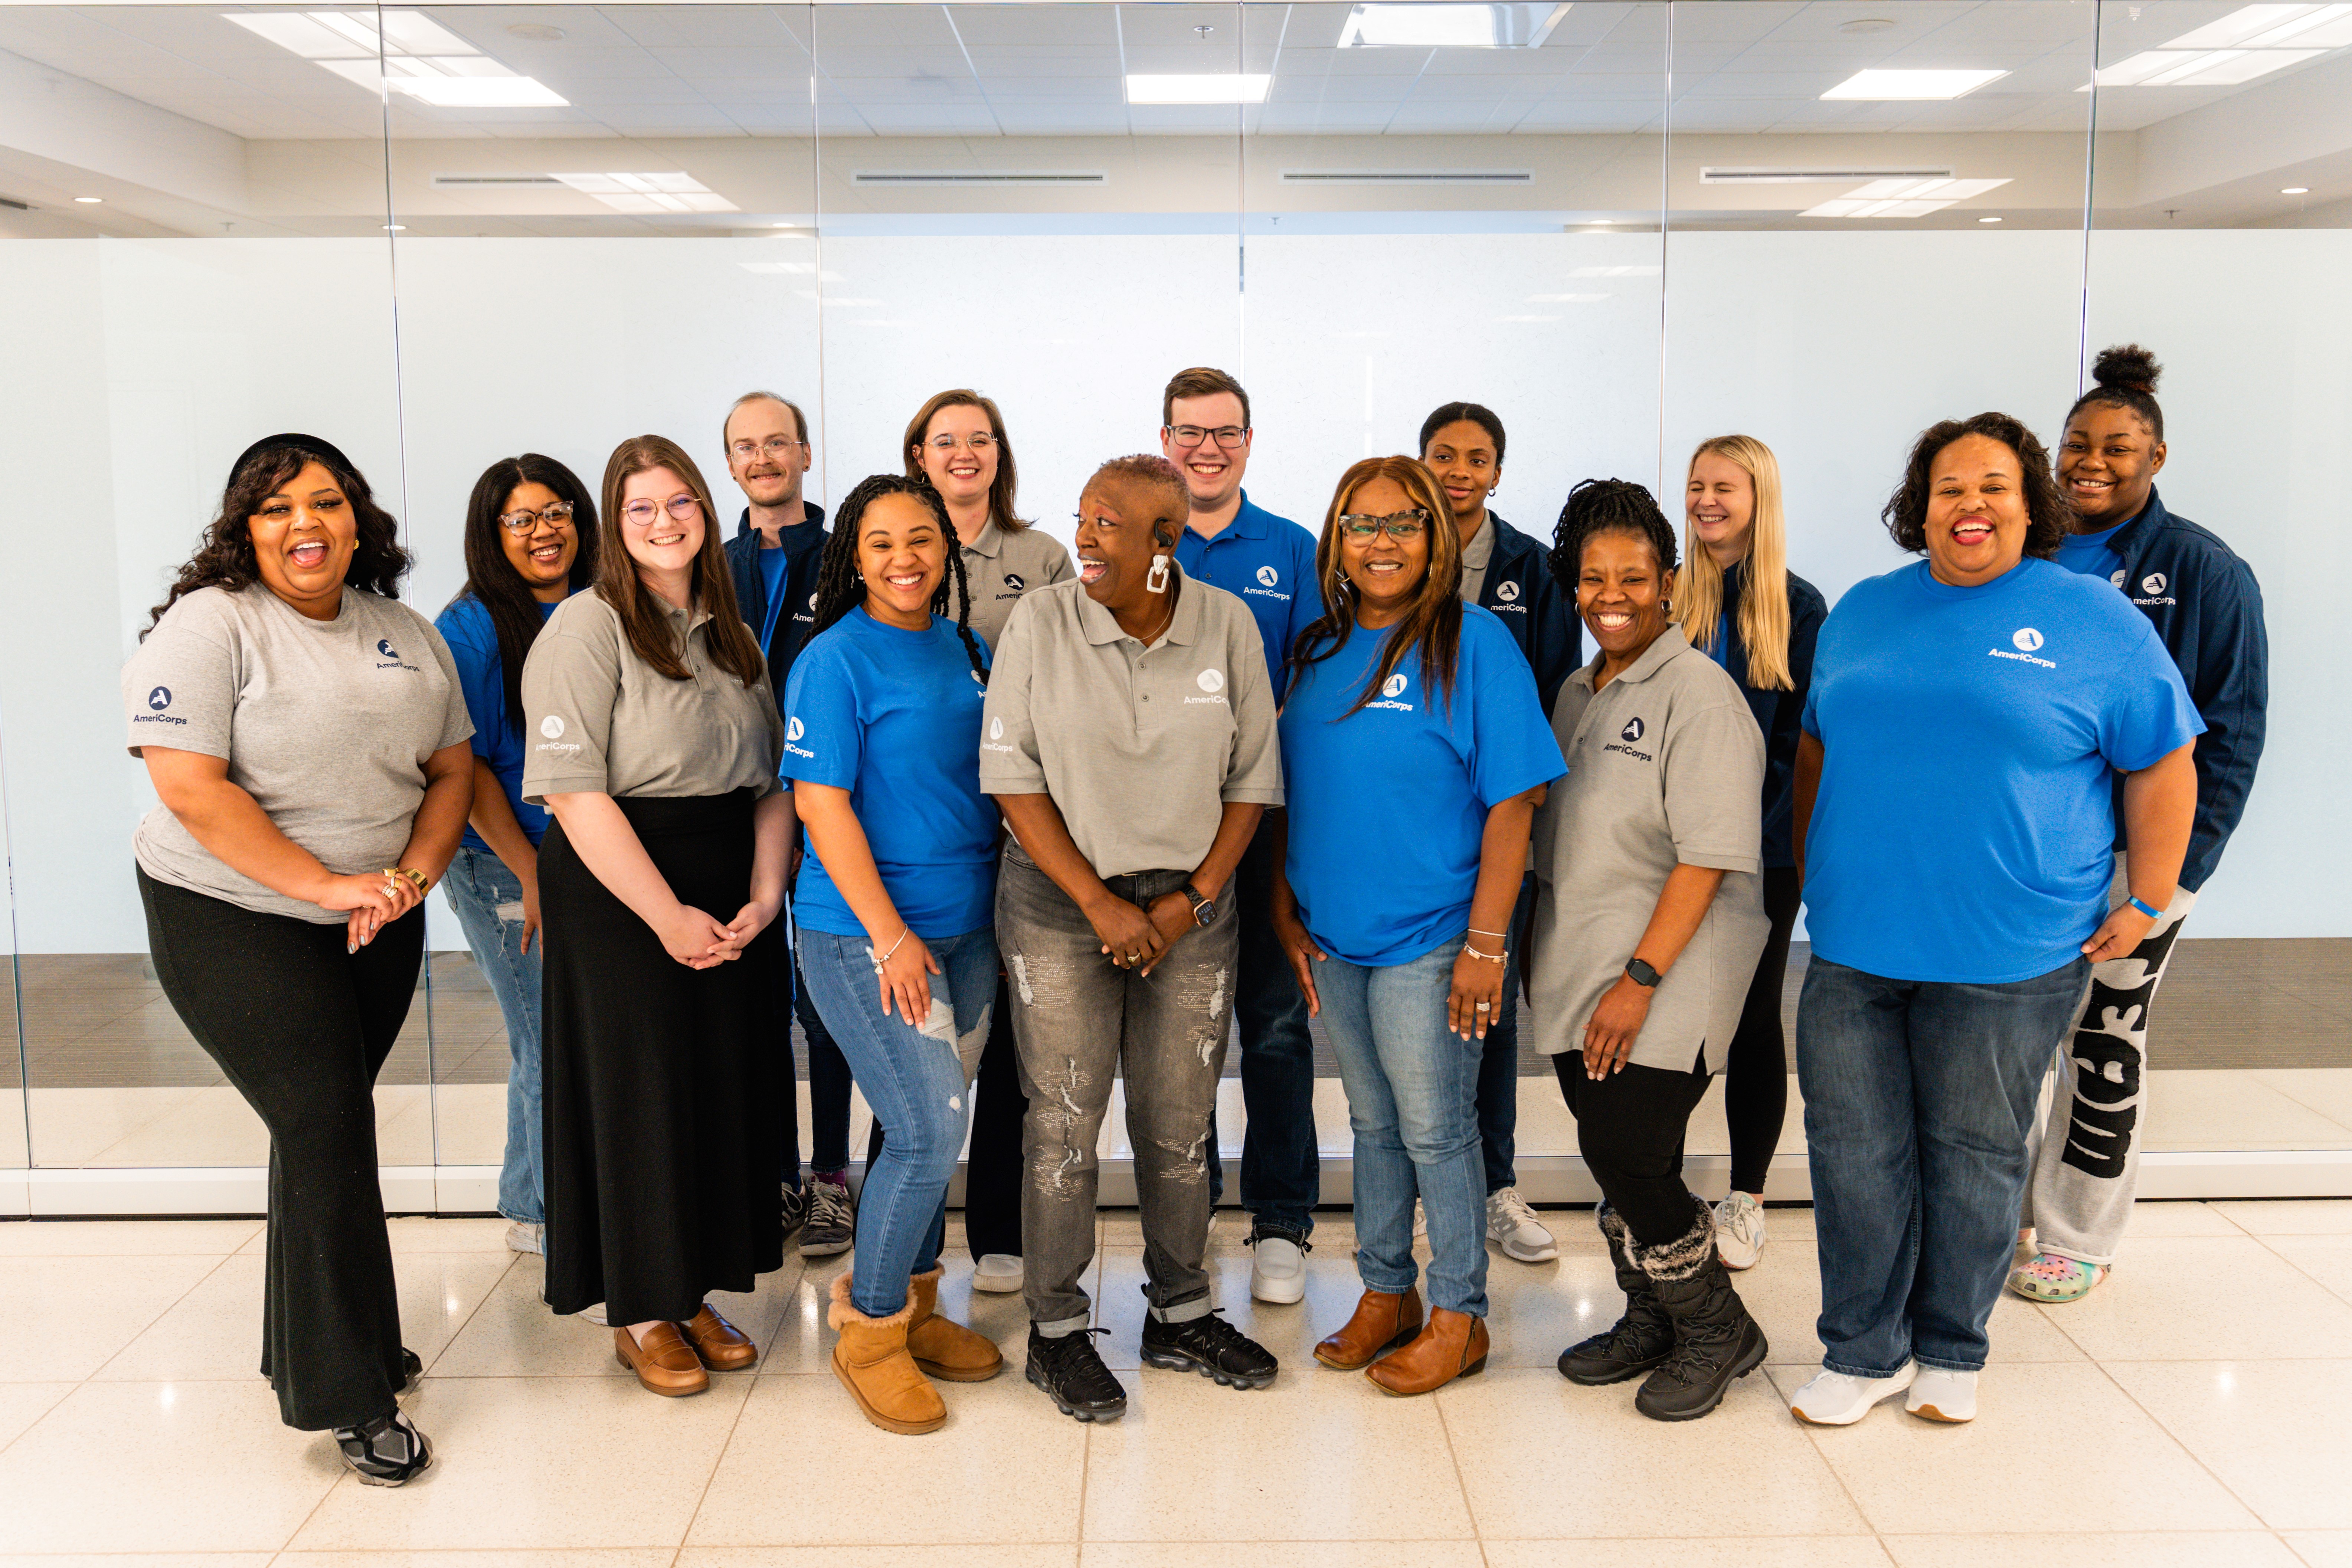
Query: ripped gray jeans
point(1079, 1020)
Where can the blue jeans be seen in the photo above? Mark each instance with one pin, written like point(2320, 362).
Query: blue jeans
point(1919, 1098)
point(479, 884)
point(1281, 1159)
point(918, 1082)
point(1413, 1087)
point(1498, 1066)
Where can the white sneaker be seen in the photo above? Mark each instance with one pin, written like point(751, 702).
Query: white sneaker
point(999, 1273)
point(1739, 1231)
point(1420, 1221)
point(594, 1314)
point(1277, 1267)
point(1840, 1399)
point(1940, 1395)
point(1512, 1225)
point(523, 1237)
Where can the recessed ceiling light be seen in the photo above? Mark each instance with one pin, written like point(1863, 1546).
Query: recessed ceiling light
point(1988, 220)
point(2200, 67)
point(1901, 199)
point(1866, 24)
point(2283, 190)
point(663, 193)
point(1451, 26)
point(91, 200)
point(1895, 85)
point(404, 51)
point(2273, 27)
point(478, 91)
point(1222, 87)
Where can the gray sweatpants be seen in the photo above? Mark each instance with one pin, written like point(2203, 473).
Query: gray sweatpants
point(2086, 1170)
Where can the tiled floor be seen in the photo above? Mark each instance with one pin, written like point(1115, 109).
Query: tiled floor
point(2191, 1412)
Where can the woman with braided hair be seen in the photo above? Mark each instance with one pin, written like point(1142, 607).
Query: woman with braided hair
point(882, 752)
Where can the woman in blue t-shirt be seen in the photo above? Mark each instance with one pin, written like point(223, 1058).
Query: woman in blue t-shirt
point(530, 543)
point(1413, 756)
point(1954, 820)
point(894, 909)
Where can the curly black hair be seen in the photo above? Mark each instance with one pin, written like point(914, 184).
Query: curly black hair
point(2124, 376)
point(841, 587)
point(2049, 515)
point(1607, 506)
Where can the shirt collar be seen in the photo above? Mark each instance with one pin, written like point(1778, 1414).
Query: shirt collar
point(1102, 627)
point(1670, 644)
point(1250, 522)
point(989, 540)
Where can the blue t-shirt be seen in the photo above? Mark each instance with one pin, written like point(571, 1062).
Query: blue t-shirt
point(1387, 806)
point(2088, 554)
point(893, 717)
point(1964, 830)
point(472, 642)
point(1269, 563)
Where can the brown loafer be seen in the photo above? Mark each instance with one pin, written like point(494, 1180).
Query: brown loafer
point(1453, 1345)
point(665, 1364)
point(1381, 1322)
point(723, 1346)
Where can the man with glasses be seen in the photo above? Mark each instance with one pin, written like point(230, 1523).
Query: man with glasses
point(774, 558)
point(1269, 562)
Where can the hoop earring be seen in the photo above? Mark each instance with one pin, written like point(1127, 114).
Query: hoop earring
point(1666, 606)
point(1157, 582)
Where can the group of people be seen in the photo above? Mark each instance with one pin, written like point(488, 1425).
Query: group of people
point(1042, 822)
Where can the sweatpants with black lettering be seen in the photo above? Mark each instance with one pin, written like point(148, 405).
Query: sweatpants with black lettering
point(2086, 1169)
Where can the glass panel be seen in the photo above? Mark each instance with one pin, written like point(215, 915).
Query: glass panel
point(200, 210)
point(15, 1141)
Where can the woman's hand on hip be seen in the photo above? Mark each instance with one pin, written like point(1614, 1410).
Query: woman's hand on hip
point(1128, 936)
point(692, 938)
point(1300, 949)
point(1616, 1024)
point(1171, 917)
point(2121, 934)
point(1477, 998)
point(904, 976)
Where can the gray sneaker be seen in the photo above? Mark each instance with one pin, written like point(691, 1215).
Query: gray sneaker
point(832, 1218)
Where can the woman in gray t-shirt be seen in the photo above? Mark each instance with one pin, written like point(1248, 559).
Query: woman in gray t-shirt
point(308, 738)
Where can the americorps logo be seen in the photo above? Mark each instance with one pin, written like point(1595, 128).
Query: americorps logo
point(996, 729)
point(160, 699)
point(384, 646)
point(1267, 576)
point(552, 727)
point(1634, 730)
point(1012, 580)
point(794, 730)
point(2026, 638)
point(1627, 738)
point(157, 701)
point(2153, 584)
point(1395, 686)
point(1210, 680)
point(1506, 592)
point(2028, 642)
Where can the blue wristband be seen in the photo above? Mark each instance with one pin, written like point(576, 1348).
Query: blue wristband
point(2152, 914)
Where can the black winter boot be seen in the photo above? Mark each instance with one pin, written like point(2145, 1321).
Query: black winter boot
point(1641, 1340)
point(1716, 1341)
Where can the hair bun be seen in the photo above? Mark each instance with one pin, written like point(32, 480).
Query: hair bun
point(2127, 367)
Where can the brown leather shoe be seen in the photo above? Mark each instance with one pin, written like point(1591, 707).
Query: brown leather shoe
point(665, 1364)
point(723, 1346)
point(942, 1347)
point(1453, 1345)
point(1381, 1322)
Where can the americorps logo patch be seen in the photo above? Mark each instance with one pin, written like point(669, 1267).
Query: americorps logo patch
point(552, 727)
point(1634, 730)
point(2026, 640)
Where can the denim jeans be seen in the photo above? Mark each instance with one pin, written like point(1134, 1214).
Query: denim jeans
point(1080, 1021)
point(917, 1082)
point(1281, 1161)
point(828, 1086)
point(479, 884)
point(1919, 1098)
point(1413, 1087)
point(1499, 1065)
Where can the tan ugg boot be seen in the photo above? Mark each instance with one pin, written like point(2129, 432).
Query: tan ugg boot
point(941, 1346)
point(871, 1360)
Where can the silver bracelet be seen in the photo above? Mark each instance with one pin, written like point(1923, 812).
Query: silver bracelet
point(904, 931)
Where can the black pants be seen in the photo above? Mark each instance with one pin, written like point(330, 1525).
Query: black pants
point(1755, 1080)
point(992, 1179)
point(1628, 1128)
point(300, 1027)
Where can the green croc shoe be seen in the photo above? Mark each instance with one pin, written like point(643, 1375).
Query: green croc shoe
point(2046, 1277)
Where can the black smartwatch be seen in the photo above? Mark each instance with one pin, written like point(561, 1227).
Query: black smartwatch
point(1203, 910)
point(1642, 974)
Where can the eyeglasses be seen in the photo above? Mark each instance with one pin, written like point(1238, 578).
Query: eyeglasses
point(682, 507)
point(774, 446)
point(1228, 435)
point(1399, 526)
point(979, 441)
point(556, 514)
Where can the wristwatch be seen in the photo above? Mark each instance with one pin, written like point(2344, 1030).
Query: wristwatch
point(1642, 974)
point(1203, 910)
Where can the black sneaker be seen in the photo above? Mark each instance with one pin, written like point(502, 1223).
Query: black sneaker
point(795, 1208)
point(1211, 1346)
point(832, 1218)
point(1071, 1371)
point(411, 1367)
point(389, 1451)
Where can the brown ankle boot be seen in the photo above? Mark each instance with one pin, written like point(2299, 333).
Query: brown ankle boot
point(941, 1346)
point(1453, 1345)
point(1381, 1322)
point(871, 1360)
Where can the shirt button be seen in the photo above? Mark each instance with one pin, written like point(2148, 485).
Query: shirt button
point(1147, 697)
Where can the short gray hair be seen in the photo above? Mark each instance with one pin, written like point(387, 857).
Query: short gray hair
point(800, 420)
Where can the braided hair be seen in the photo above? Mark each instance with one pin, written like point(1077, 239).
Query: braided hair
point(1607, 506)
point(841, 587)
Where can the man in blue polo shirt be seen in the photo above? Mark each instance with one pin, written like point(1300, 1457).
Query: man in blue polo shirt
point(1269, 562)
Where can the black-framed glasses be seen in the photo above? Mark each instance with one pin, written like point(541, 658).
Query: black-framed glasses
point(1228, 435)
point(555, 514)
point(682, 507)
point(1399, 526)
point(776, 447)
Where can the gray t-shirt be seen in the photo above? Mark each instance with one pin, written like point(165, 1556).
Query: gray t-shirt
point(1002, 566)
point(1665, 766)
point(1139, 747)
point(599, 718)
point(327, 724)
point(1476, 556)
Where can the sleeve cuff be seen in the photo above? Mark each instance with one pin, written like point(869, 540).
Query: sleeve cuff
point(536, 791)
point(1718, 859)
point(1257, 796)
point(1008, 783)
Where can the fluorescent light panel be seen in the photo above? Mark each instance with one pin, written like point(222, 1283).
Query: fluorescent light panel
point(1901, 85)
point(2251, 41)
point(1227, 87)
point(1902, 198)
point(413, 54)
point(657, 193)
point(1451, 26)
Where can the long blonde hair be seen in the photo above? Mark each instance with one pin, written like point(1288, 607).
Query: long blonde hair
point(1764, 606)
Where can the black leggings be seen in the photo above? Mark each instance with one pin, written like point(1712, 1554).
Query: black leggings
point(1755, 1080)
point(1628, 1128)
point(300, 1027)
point(994, 1174)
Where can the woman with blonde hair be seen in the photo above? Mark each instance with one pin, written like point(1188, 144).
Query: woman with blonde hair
point(1741, 604)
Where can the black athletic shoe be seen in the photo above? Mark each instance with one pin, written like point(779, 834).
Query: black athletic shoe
point(1211, 1346)
point(831, 1219)
point(795, 1208)
point(389, 1451)
point(411, 1367)
point(1071, 1371)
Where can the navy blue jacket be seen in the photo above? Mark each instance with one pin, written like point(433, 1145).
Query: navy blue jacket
point(804, 558)
point(1780, 715)
point(1520, 591)
point(2208, 609)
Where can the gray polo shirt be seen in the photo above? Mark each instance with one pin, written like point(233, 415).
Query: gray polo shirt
point(1002, 566)
point(327, 724)
point(1139, 747)
point(598, 717)
point(1476, 556)
point(1665, 766)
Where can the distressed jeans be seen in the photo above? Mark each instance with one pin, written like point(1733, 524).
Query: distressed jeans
point(482, 892)
point(1080, 1021)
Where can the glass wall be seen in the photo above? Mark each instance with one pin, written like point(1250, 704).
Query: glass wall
point(444, 234)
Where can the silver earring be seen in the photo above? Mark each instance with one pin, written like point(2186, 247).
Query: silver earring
point(1157, 580)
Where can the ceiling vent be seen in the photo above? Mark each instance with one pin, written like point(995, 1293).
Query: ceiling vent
point(1407, 177)
point(990, 178)
point(1714, 177)
point(496, 183)
point(12, 204)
